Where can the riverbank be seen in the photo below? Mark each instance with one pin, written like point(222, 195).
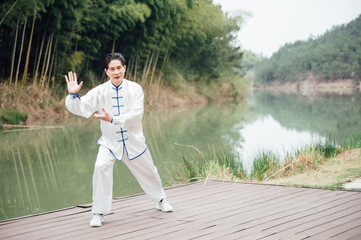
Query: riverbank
point(48, 105)
point(332, 173)
point(311, 85)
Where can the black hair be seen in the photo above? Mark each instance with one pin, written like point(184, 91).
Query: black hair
point(112, 56)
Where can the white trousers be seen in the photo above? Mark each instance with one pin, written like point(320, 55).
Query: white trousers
point(142, 168)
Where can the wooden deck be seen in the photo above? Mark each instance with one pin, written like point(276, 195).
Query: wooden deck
point(218, 210)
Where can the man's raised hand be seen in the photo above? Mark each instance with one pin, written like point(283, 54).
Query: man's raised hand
point(72, 84)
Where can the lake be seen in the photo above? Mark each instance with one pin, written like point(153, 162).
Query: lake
point(48, 169)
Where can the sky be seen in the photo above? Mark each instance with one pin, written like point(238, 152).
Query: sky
point(273, 23)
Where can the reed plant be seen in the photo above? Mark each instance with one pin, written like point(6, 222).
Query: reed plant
point(263, 165)
point(350, 143)
point(309, 157)
point(214, 163)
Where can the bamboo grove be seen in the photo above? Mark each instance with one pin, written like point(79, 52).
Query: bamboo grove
point(43, 39)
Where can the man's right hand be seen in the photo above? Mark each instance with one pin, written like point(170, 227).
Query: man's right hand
point(72, 84)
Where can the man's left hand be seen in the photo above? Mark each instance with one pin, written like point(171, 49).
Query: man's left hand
point(106, 117)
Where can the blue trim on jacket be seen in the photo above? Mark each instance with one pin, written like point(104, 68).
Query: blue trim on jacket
point(118, 106)
point(75, 95)
point(130, 159)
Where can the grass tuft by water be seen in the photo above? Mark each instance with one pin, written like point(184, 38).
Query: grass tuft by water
point(222, 164)
point(352, 142)
point(328, 148)
point(213, 163)
point(263, 164)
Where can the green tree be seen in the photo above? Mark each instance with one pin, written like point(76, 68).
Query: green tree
point(334, 55)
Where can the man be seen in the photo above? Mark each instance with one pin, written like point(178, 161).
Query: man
point(118, 103)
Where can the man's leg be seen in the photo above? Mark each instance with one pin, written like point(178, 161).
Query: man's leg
point(147, 176)
point(103, 182)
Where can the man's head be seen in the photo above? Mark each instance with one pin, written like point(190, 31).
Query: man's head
point(112, 56)
point(114, 67)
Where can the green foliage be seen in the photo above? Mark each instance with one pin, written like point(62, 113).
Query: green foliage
point(11, 116)
point(262, 164)
point(353, 142)
point(334, 55)
point(204, 46)
point(328, 148)
point(250, 60)
point(195, 35)
point(190, 170)
point(75, 60)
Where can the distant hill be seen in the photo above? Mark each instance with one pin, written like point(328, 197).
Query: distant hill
point(333, 56)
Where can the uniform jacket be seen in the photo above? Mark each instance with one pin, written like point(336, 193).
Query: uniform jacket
point(124, 135)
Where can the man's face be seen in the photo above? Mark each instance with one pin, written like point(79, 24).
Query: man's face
point(115, 71)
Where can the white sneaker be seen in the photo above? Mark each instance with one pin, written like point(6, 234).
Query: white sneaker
point(164, 206)
point(97, 220)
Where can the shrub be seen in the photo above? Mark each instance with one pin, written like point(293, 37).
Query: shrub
point(11, 116)
point(328, 148)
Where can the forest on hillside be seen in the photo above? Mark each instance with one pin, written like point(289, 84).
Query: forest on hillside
point(41, 40)
point(334, 55)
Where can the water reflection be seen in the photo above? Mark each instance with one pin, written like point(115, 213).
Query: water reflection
point(265, 134)
point(40, 172)
point(334, 115)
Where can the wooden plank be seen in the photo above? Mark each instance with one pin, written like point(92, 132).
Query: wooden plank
point(257, 212)
point(40, 217)
point(307, 215)
point(114, 222)
point(219, 203)
point(190, 196)
point(232, 229)
point(300, 220)
point(259, 196)
point(161, 226)
point(231, 209)
point(126, 227)
point(344, 231)
point(41, 221)
point(249, 226)
point(178, 234)
point(200, 203)
point(286, 232)
point(356, 235)
point(304, 221)
point(327, 226)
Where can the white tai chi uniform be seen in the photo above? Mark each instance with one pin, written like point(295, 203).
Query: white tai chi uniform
point(122, 139)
